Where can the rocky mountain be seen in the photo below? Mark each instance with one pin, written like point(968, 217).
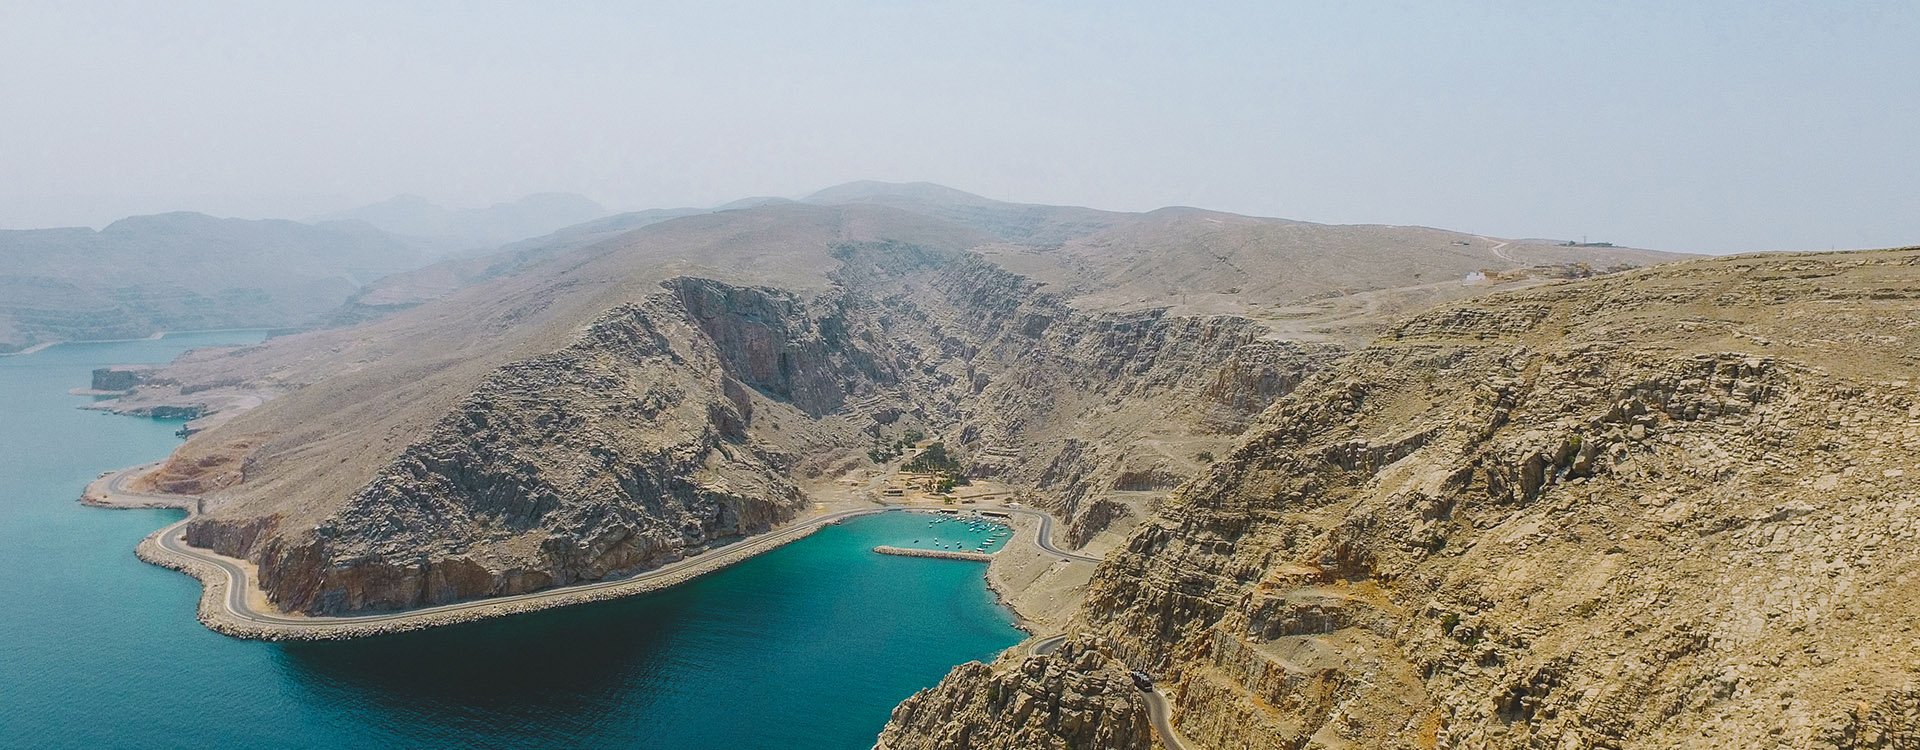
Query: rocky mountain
point(637, 398)
point(400, 291)
point(145, 274)
point(1669, 507)
point(1077, 697)
point(475, 228)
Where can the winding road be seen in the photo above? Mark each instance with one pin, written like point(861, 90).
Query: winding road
point(1045, 539)
point(172, 539)
point(1500, 249)
point(1159, 711)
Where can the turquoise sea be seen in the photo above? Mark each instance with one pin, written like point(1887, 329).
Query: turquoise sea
point(808, 646)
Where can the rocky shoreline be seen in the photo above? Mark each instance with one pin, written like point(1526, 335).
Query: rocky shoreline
point(215, 583)
point(217, 614)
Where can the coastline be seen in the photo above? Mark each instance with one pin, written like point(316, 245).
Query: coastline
point(101, 492)
point(228, 595)
point(227, 591)
point(219, 589)
point(40, 347)
point(157, 335)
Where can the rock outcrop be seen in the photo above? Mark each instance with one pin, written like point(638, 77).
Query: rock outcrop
point(1669, 508)
point(117, 379)
point(1076, 697)
point(684, 420)
point(611, 407)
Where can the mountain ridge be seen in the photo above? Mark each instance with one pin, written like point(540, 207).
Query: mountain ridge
point(976, 335)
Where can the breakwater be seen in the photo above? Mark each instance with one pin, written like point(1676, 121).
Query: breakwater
point(938, 553)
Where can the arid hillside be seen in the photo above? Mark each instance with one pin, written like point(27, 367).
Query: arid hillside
point(1671, 507)
point(636, 398)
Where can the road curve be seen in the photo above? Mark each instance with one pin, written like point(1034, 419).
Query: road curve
point(1046, 646)
point(173, 540)
point(1161, 714)
point(236, 610)
point(1159, 711)
point(1045, 539)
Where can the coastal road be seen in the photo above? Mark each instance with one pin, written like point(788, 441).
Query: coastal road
point(173, 540)
point(1047, 646)
point(1159, 711)
point(1162, 716)
point(1046, 534)
point(116, 487)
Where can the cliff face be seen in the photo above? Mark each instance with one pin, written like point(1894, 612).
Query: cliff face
point(1091, 410)
point(687, 419)
point(621, 452)
point(1667, 508)
point(1076, 697)
point(617, 405)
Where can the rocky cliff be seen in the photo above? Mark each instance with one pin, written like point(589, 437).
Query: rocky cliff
point(614, 406)
point(624, 451)
point(1076, 697)
point(1670, 508)
point(685, 420)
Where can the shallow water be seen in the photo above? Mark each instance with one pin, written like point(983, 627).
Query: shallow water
point(808, 646)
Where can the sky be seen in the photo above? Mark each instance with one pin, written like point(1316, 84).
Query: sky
point(1695, 126)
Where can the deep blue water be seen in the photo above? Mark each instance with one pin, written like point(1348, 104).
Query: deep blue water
point(808, 646)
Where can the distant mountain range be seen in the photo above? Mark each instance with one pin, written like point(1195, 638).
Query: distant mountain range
point(626, 391)
point(185, 270)
point(475, 228)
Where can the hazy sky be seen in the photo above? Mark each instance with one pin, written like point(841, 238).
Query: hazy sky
point(1713, 126)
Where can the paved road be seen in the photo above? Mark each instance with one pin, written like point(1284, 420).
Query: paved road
point(117, 485)
point(1047, 646)
point(1046, 533)
point(1159, 711)
point(1162, 716)
point(172, 538)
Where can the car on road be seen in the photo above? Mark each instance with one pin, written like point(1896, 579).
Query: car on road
point(1142, 680)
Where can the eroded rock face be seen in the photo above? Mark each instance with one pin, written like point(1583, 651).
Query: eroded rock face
point(620, 453)
point(1073, 403)
point(684, 420)
point(1077, 697)
point(1667, 509)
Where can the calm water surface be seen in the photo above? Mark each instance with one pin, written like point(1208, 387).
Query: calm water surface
point(809, 646)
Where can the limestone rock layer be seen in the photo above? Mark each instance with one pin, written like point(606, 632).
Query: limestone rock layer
point(689, 417)
point(1668, 508)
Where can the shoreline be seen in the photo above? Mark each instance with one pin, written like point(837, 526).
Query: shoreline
point(227, 587)
point(36, 348)
point(221, 587)
point(101, 492)
point(157, 335)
